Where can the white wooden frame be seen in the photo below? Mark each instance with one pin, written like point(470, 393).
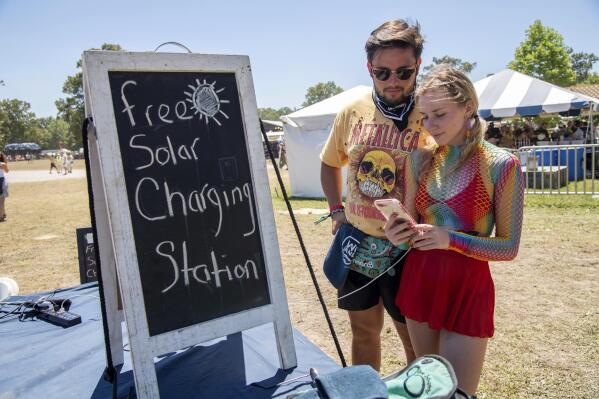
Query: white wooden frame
point(96, 65)
point(104, 244)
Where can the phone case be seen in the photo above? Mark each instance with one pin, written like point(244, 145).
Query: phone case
point(392, 206)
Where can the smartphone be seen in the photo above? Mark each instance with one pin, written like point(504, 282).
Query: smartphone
point(390, 206)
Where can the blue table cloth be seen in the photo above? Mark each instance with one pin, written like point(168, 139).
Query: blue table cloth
point(41, 360)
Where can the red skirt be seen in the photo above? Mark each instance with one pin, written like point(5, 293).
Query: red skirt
point(448, 291)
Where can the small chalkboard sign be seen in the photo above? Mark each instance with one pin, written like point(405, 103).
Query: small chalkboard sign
point(88, 269)
point(188, 201)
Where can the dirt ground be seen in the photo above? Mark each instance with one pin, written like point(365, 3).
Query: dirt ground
point(546, 314)
point(546, 342)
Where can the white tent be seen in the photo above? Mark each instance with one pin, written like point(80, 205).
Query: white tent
point(306, 132)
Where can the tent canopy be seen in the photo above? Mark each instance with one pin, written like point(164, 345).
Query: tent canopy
point(311, 117)
point(510, 93)
point(21, 147)
point(272, 125)
point(306, 132)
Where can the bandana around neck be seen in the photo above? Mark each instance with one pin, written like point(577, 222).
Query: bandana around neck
point(397, 113)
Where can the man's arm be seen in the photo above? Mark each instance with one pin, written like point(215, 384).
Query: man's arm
point(331, 180)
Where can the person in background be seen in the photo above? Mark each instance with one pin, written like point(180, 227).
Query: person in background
point(541, 132)
point(558, 132)
point(65, 162)
point(577, 132)
point(53, 165)
point(3, 186)
point(70, 160)
point(372, 136)
point(283, 155)
point(528, 134)
point(507, 138)
point(493, 135)
point(460, 190)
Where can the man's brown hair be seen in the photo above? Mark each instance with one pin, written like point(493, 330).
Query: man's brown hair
point(395, 33)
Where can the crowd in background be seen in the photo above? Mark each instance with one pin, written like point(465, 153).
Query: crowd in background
point(515, 134)
point(62, 162)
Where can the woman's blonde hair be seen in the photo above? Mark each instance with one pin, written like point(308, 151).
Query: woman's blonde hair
point(454, 86)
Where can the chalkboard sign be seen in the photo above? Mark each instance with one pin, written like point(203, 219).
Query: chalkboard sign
point(191, 197)
point(88, 269)
point(187, 199)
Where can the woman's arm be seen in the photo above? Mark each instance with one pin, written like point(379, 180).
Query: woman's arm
point(508, 209)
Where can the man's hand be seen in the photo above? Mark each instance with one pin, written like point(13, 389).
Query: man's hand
point(430, 237)
point(338, 219)
point(399, 231)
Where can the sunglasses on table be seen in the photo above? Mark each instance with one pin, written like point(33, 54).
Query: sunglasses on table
point(383, 74)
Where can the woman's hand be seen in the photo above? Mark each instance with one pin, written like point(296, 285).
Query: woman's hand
point(399, 231)
point(338, 219)
point(430, 237)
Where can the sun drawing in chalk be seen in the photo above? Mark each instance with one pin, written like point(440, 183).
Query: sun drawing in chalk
point(205, 101)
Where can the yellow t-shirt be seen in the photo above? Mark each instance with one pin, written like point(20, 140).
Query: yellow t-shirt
point(374, 150)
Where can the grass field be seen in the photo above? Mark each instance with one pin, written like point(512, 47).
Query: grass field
point(547, 306)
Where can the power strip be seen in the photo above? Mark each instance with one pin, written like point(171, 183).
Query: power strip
point(63, 319)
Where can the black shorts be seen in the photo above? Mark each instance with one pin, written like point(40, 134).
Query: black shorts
point(384, 287)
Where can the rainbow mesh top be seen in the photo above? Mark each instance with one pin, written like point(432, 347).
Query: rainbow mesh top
point(486, 191)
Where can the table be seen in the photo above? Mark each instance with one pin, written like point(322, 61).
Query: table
point(40, 360)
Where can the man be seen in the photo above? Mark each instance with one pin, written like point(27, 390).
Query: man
point(372, 136)
point(577, 132)
point(493, 134)
point(282, 156)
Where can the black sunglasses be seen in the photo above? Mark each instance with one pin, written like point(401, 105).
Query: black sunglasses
point(383, 74)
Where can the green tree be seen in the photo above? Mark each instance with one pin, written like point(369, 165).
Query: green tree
point(457, 63)
point(54, 133)
point(321, 91)
point(271, 114)
point(543, 55)
point(592, 79)
point(582, 64)
point(71, 108)
point(17, 122)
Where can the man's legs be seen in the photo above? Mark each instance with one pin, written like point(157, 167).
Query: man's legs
point(389, 286)
point(402, 331)
point(366, 309)
point(366, 326)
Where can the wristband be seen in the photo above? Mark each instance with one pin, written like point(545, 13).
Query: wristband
point(336, 207)
point(338, 210)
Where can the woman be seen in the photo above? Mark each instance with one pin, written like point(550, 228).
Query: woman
point(3, 185)
point(459, 190)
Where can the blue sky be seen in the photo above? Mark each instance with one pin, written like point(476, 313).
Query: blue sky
point(292, 45)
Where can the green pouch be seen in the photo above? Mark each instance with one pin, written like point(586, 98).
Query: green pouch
point(427, 377)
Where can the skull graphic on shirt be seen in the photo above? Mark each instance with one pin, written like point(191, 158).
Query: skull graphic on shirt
point(376, 174)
